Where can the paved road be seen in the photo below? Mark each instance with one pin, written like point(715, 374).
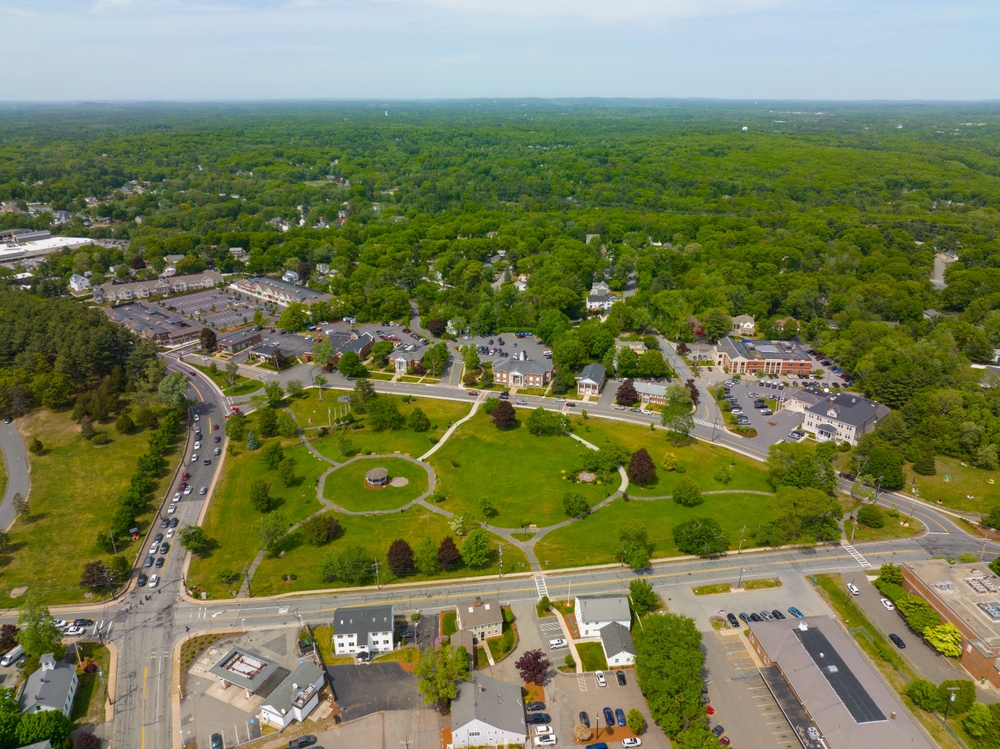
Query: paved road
point(16, 458)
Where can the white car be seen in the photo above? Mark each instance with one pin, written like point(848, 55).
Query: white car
point(177, 497)
point(547, 740)
point(854, 589)
point(154, 547)
point(558, 643)
point(188, 489)
point(601, 681)
point(171, 509)
point(197, 445)
point(631, 741)
point(60, 623)
point(75, 631)
point(170, 532)
point(197, 417)
point(194, 458)
point(153, 580)
point(888, 604)
point(543, 730)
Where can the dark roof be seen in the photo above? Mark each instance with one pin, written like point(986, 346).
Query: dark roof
point(847, 408)
point(837, 673)
point(594, 372)
point(522, 366)
point(362, 620)
point(762, 350)
point(237, 336)
point(376, 474)
point(617, 639)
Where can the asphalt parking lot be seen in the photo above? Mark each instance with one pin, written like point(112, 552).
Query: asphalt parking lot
point(362, 690)
point(770, 429)
point(231, 309)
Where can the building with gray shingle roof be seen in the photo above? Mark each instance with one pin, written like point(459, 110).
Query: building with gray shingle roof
point(619, 650)
point(843, 417)
point(295, 697)
point(591, 380)
point(593, 614)
point(52, 687)
point(488, 712)
point(363, 628)
point(522, 372)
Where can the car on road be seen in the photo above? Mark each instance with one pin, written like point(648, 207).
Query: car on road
point(796, 613)
point(142, 580)
point(888, 604)
point(194, 458)
point(584, 719)
point(155, 546)
point(631, 741)
point(8, 420)
point(218, 439)
point(217, 741)
point(620, 714)
point(177, 497)
point(75, 631)
point(165, 523)
point(539, 718)
point(302, 741)
point(83, 622)
point(173, 521)
point(60, 623)
point(601, 681)
point(535, 707)
point(149, 561)
point(160, 561)
point(620, 675)
point(557, 643)
point(777, 614)
point(609, 717)
point(154, 580)
point(188, 489)
point(170, 532)
point(171, 509)
point(855, 591)
point(897, 641)
point(547, 740)
point(197, 445)
point(203, 490)
point(164, 547)
point(207, 461)
point(473, 392)
point(522, 402)
point(216, 451)
point(733, 621)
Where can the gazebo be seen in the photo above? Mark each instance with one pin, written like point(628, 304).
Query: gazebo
point(377, 477)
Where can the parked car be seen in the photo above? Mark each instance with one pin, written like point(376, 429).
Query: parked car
point(755, 618)
point(897, 641)
point(709, 710)
point(543, 730)
point(217, 741)
point(854, 589)
point(302, 741)
point(557, 643)
point(765, 614)
point(745, 618)
point(620, 675)
point(609, 717)
point(777, 614)
point(888, 604)
point(534, 707)
point(631, 741)
point(598, 745)
point(585, 719)
point(546, 740)
point(718, 731)
point(539, 718)
point(733, 621)
point(620, 714)
point(796, 613)
point(601, 681)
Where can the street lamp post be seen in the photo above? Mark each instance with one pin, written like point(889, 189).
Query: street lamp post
point(740, 581)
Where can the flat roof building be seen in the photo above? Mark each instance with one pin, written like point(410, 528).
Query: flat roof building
point(742, 356)
point(826, 689)
point(243, 669)
point(968, 596)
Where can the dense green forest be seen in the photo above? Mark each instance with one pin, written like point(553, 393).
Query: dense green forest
point(828, 213)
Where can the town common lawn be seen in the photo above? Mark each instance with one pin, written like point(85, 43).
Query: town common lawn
point(230, 517)
point(347, 488)
point(243, 386)
point(594, 540)
point(309, 412)
point(700, 461)
point(524, 476)
point(74, 484)
point(965, 481)
point(374, 534)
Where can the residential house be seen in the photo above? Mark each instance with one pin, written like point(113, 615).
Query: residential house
point(593, 614)
point(278, 291)
point(52, 687)
point(744, 325)
point(290, 276)
point(323, 268)
point(651, 393)
point(619, 649)
point(931, 315)
point(487, 712)
point(79, 284)
point(637, 346)
point(600, 289)
point(843, 417)
point(294, 698)
point(483, 619)
point(591, 380)
point(241, 340)
point(599, 303)
point(762, 357)
point(238, 253)
point(126, 292)
point(522, 372)
point(785, 321)
point(521, 285)
point(363, 629)
point(60, 217)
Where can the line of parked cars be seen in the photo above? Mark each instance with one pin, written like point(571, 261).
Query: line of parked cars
point(764, 615)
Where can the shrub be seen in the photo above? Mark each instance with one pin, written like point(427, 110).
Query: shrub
point(965, 695)
point(687, 493)
point(924, 695)
point(871, 516)
point(924, 465)
point(669, 462)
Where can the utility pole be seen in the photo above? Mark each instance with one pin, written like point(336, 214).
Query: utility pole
point(982, 551)
point(951, 699)
point(378, 584)
point(113, 544)
point(500, 566)
point(742, 531)
point(854, 527)
point(740, 581)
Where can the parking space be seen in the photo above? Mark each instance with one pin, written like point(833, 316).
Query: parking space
point(776, 426)
point(496, 347)
point(219, 308)
point(362, 690)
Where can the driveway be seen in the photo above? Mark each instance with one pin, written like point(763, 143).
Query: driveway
point(362, 690)
point(16, 457)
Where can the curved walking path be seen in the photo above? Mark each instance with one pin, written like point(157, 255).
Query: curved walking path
point(15, 456)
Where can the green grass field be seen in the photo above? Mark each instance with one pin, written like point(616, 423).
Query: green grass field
point(88, 705)
point(441, 414)
point(243, 386)
point(74, 484)
point(230, 515)
point(3, 474)
point(522, 474)
point(374, 534)
point(701, 461)
point(592, 656)
point(347, 488)
point(965, 481)
point(594, 540)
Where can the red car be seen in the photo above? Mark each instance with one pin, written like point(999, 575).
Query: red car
point(215, 427)
point(473, 392)
point(710, 710)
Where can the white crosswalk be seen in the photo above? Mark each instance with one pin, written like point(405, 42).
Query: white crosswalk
point(858, 556)
point(541, 587)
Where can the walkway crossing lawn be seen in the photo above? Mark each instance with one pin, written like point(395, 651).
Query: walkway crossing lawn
point(346, 486)
point(594, 540)
point(441, 414)
point(374, 535)
point(3, 475)
point(523, 475)
point(243, 386)
point(701, 461)
point(230, 517)
point(965, 481)
point(74, 484)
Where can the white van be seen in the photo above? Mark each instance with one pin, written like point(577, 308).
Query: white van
point(11, 656)
point(556, 644)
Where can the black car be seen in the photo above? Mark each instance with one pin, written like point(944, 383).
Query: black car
point(216, 741)
point(718, 731)
point(777, 614)
point(301, 741)
point(142, 580)
point(756, 618)
point(160, 561)
point(897, 641)
point(539, 719)
point(733, 621)
point(174, 521)
point(164, 547)
point(165, 523)
point(149, 561)
point(535, 707)
point(83, 622)
point(504, 395)
point(218, 439)
point(620, 675)
point(744, 618)
point(585, 719)
point(158, 537)
point(8, 420)
point(207, 461)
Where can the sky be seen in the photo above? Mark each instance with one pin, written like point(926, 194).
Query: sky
point(198, 50)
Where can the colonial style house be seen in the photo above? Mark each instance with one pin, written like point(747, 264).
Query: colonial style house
point(366, 628)
point(522, 372)
point(591, 380)
point(616, 641)
point(483, 618)
point(593, 614)
point(52, 687)
point(744, 325)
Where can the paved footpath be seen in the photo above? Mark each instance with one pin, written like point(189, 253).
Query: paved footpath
point(16, 457)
